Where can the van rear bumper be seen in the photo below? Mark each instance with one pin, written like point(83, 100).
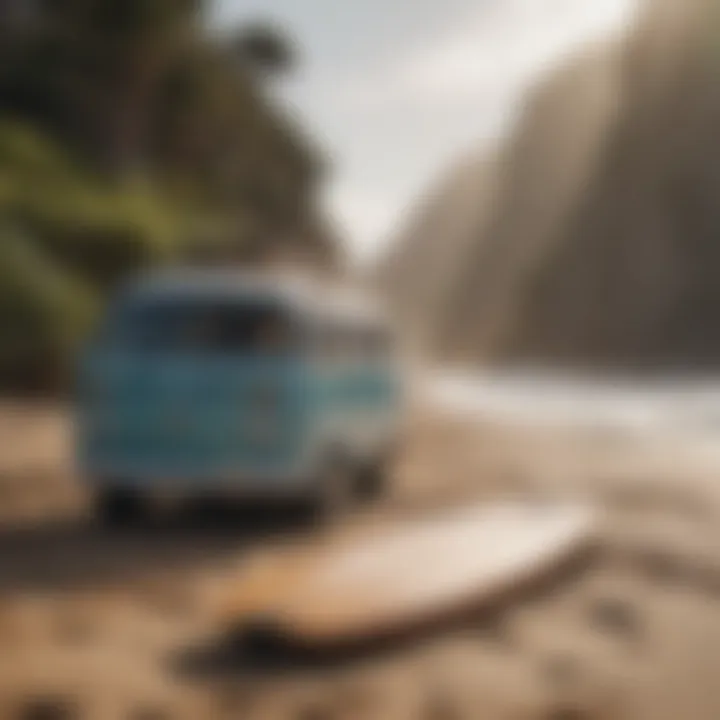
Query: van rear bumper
point(249, 484)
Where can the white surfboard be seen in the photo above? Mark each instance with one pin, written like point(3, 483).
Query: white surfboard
point(415, 573)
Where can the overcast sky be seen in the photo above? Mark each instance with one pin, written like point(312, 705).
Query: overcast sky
point(396, 90)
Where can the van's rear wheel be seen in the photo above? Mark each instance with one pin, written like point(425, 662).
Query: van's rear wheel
point(119, 508)
point(376, 475)
point(335, 490)
point(373, 480)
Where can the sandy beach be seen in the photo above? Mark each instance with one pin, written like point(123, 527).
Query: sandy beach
point(101, 624)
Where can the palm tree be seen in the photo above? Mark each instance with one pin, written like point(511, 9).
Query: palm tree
point(263, 47)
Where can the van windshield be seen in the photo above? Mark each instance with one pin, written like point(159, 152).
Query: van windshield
point(204, 326)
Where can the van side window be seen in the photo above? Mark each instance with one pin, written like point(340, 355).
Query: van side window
point(206, 327)
point(238, 328)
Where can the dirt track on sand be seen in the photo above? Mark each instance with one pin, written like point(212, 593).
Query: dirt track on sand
point(95, 624)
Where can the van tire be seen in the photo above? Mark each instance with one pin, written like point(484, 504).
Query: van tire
point(118, 508)
point(376, 475)
point(372, 483)
point(334, 494)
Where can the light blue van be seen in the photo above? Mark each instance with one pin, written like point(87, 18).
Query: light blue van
point(211, 383)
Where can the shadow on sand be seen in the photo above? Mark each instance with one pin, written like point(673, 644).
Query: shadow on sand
point(76, 553)
point(260, 649)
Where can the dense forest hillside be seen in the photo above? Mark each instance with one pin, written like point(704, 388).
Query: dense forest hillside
point(603, 245)
point(131, 134)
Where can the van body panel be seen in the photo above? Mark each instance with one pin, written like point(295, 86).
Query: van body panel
point(155, 412)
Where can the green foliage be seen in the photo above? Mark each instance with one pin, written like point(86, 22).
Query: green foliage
point(44, 313)
point(131, 136)
point(101, 229)
point(65, 240)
